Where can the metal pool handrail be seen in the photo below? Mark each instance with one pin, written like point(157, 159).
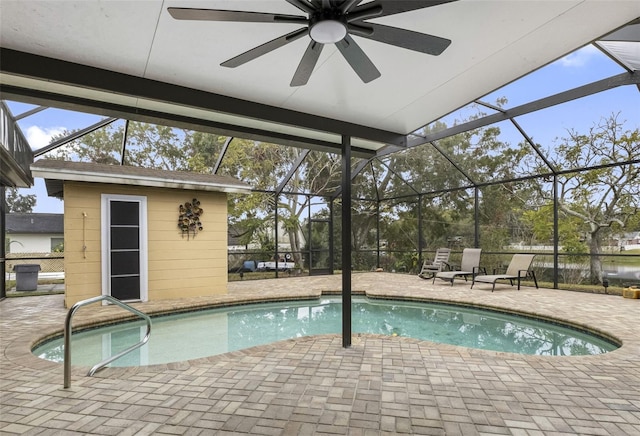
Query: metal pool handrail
point(68, 332)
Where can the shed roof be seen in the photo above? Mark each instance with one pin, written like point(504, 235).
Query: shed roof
point(56, 171)
point(35, 223)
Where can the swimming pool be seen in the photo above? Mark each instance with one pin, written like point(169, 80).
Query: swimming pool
point(210, 332)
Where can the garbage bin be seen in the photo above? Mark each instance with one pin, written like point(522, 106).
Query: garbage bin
point(26, 277)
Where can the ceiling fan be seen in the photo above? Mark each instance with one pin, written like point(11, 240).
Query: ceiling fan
point(330, 22)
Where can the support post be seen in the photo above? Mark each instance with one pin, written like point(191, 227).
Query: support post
point(332, 252)
point(309, 237)
point(223, 152)
point(3, 254)
point(346, 241)
point(378, 233)
point(420, 235)
point(476, 217)
point(556, 232)
point(276, 255)
point(124, 141)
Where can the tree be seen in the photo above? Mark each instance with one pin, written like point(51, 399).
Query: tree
point(17, 203)
point(602, 197)
point(147, 145)
point(479, 156)
point(100, 146)
point(540, 221)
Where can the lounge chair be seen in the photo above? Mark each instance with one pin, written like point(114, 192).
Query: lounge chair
point(439, 262)
point(519, 268)
point(469, 266)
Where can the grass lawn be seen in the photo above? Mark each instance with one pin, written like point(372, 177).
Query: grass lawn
point(626, 259)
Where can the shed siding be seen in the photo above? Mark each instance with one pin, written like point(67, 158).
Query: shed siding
point(82, 268)
point(178, 266)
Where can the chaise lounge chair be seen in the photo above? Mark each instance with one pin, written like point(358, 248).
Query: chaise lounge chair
point(469, 266)
point(519, 268)
point(439, 262)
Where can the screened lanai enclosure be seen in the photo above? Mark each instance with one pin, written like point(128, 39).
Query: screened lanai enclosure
point(471, 189)
point(480, 181)
point(528, 141)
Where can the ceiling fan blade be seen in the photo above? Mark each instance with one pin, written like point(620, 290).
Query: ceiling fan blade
point(303, 5)
point(416, 41)
point(348, 4)
point(265, 48)
point(307, 64)
point(238, 16)
point(358, 60)
point(392, 7)
point(370, 10)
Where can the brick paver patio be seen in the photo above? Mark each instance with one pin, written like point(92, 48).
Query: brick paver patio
point(381, 385)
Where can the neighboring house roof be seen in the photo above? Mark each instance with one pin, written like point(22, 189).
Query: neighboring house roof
point(17, 223)
point(56, 171)
point(234, 235)
point(234, 241)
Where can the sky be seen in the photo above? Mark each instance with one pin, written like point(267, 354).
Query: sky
point(545, 127)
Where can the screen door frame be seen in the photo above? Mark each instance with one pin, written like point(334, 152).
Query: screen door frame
point(106, 201)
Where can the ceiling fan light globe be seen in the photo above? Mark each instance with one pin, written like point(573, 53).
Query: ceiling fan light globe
point(328, 31)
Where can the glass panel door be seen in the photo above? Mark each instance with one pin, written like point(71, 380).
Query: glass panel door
point(124, 249)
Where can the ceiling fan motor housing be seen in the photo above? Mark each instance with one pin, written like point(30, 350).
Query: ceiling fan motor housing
point(327, 26)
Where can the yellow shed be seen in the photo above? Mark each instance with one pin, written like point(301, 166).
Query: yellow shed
point(140, 234)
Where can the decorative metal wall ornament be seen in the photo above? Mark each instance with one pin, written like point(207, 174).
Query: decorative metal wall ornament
point(189, 219)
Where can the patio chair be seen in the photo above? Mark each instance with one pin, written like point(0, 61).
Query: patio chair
point(469, 266)
point(518, 269)
point(439, 262)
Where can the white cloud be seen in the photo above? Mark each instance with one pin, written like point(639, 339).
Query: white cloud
point(39, 137)
point(580, 57)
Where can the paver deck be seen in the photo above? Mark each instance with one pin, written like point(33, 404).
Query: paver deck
point(313, 386)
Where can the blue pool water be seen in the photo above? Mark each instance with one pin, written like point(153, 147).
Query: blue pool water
point(205, 333)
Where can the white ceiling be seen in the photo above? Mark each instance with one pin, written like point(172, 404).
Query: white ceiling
point(493, 43)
